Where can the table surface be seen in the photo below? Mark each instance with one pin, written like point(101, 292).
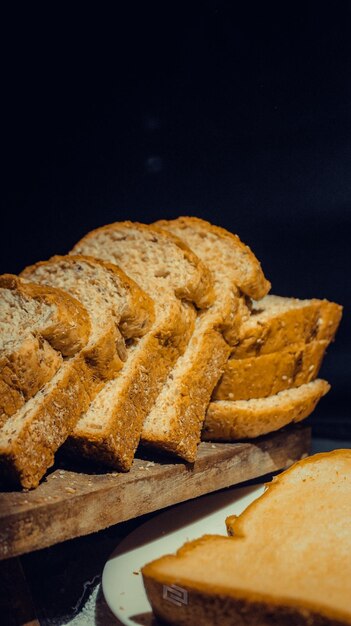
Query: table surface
point(49, 592)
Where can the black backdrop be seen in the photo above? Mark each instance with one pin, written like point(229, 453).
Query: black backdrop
point(235, 112)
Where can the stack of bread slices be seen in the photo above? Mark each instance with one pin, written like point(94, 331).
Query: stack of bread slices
point(155, 334)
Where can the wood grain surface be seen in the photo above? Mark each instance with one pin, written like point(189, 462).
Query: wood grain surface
point(70, 503)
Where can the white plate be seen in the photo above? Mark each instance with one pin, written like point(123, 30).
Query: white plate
point(122, 582)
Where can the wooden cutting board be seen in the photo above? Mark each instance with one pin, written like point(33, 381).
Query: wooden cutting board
point(70, 503)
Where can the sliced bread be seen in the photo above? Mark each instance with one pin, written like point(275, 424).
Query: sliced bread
point(266, 375)
point(175, 421)
point(288, 561)
point(115, 305)
point(30, 438)
point(276, 322)
point(38, 327)
point(241, 419)
point(176, 280)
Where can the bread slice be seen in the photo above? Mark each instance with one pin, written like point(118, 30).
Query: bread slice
point(176, 280)
point(239, 264)
point(38, 327)
point(287, 563)
point(30, 438)
point(276, 322)
point(266, 375)
point(176, 419)
point(115, 304)
point(228, 420)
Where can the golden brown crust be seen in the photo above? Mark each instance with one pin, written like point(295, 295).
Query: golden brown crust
point(207, 608)
point(24, 372)
point(254, 284)
point(134, 392)
point(69, 327)
point(230, 421)
point(108, 353)
point(199, 290)
point(191, 388)
point(318, 320)
point(266, 375)
point(48, 418)
point(137, 314)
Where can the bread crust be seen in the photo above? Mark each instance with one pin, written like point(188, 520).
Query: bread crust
point(24, 372)
point(230, 421)
point(46, 420)
point(217, 607)
point(266, 375)
point(137, 314)
point(318, 320)
point(198, 290)
point(69, 327)
point(108, 353)
point(254, 284)
point(192, 383)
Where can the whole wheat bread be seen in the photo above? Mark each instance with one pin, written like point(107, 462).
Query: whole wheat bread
point(288, 561)
point(229, 420)
point(175, 421)
point(266, 375)
point(277, 322)
point(176, 280)
point(115, 305)
point(30, 438)
point(38, 327)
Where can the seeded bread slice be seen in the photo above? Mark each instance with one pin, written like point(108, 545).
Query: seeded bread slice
point(30, 438)
point(276, 322)
point(177, 280)
point(287, 563)
point(237, 261)
point(114, 302)
point(179, 411)
point(38, 326)
point(266, 375)
point(242, 419)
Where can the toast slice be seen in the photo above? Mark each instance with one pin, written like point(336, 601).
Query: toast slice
point(175, 421)
point(38, 327)
point(178, 282)
point(288, 561)
point(30, 438)
point(277, 322)
point(228, 420)
point(266, 375)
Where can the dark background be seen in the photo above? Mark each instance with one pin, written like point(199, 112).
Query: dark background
point(235, 112)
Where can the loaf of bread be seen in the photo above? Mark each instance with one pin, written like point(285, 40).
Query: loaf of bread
point(125, 339)
point(229, 420)
point(113, 304)
point(38, 327)
point(178, 282)
point(288, 561)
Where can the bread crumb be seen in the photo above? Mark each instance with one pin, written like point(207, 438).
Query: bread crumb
point(70, 489)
